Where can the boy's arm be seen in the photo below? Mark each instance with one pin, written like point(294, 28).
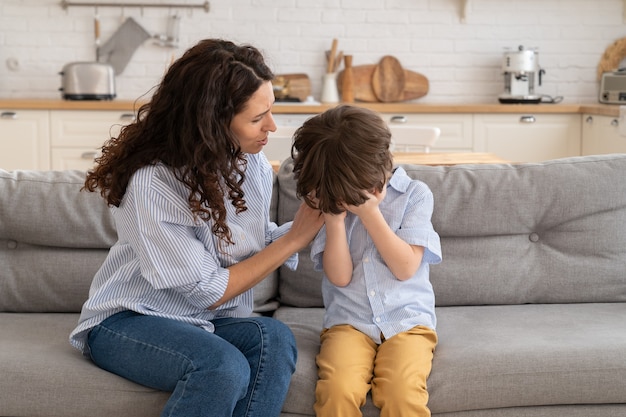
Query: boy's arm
point(336, 258)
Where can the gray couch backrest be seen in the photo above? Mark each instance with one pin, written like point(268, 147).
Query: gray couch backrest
point(53, 239)
point(552, 232)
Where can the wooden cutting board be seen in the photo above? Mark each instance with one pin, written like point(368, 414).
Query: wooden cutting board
point(416, 85)
point(292, 86)
point(388, 80)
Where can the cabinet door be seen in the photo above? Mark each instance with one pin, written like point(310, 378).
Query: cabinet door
point(78, 135)
point(24, 140)
point(278, 146)
point(456, 129)
point(601, 135)
point(73, 158)
point(528, 137)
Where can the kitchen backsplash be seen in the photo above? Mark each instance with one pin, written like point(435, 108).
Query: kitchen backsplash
point(457, 44)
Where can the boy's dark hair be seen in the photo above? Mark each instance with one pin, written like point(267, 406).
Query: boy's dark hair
point(338, 155)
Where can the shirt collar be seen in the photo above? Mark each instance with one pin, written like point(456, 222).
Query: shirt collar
point(399, 180)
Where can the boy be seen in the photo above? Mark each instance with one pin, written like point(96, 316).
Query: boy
point(374, 249)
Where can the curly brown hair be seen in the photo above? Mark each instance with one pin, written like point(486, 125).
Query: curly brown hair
point(338, 155)
point(186, 126)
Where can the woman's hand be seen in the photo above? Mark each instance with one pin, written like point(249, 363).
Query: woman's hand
point(249, 272)
point(306, 223)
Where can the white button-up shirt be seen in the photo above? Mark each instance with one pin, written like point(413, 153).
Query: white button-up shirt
point(167, 263)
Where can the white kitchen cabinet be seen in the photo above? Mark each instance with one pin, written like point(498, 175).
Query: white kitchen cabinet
point(601, 135)
point(528, 137)
point(77, 136)
point(24, 139)
point(278, 146)
point(456, 129)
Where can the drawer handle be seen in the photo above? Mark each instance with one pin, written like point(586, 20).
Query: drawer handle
point(527, 119)
point(615, 122)
point(127, 116)
point(9, 115)
point(398, 119)
point(589, 119)
point(88, 155)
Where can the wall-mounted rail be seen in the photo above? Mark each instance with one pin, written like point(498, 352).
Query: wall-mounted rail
point(65, 4)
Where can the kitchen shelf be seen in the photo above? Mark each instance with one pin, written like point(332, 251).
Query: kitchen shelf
point(65, 4)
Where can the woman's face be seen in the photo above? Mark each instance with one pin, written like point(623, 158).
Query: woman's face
point(252, 126)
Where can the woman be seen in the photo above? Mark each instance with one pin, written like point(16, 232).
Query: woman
point(190, 193)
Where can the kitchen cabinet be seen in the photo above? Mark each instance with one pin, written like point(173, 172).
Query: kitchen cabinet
point(76, 136)
point(601, 135)
point(528, 137)
point(24, 139)
point(456, 129)
point(54, 134)
point(278, 146)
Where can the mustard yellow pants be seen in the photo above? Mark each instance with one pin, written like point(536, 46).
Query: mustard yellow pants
point(351, 363)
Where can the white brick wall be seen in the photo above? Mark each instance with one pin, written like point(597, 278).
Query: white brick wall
point(461, 59)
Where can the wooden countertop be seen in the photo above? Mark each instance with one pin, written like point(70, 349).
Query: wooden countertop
point(451, 158)
point(405, 107)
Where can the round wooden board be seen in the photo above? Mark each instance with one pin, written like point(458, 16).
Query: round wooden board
point(388, 80)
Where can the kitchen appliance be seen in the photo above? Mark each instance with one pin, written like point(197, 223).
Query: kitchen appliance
point(613, 87)
point(87, 81)
point(521, 72)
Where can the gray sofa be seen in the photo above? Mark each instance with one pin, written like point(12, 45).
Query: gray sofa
point(531, 294)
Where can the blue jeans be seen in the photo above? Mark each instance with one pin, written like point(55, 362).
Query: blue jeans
point(243, 369)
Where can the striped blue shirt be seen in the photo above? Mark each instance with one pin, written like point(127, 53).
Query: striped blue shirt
point(375, 302)
point(167, 263)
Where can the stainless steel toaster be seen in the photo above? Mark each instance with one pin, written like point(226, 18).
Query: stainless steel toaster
point(87, 81)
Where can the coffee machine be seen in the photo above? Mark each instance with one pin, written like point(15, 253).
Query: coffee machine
point(520, 69)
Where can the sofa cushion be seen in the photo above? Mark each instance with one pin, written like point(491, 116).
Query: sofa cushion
point(51, 378)
point(498, 358)
point(54, 237)
point(550, 232)
point(302, 287)
point(51, 201)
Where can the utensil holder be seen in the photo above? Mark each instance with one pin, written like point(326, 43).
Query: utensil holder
point(330, 93)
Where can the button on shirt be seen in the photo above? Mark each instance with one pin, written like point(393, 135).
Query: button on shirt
point(167, 262)
point(375, 302)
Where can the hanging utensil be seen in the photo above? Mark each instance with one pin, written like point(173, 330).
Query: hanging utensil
point(121, 46)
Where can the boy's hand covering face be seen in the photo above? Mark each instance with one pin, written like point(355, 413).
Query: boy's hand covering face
point(363, 200)
point(372, 202)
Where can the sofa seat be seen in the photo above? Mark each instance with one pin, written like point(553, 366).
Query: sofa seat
point(561, 354)
point(42, 373)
